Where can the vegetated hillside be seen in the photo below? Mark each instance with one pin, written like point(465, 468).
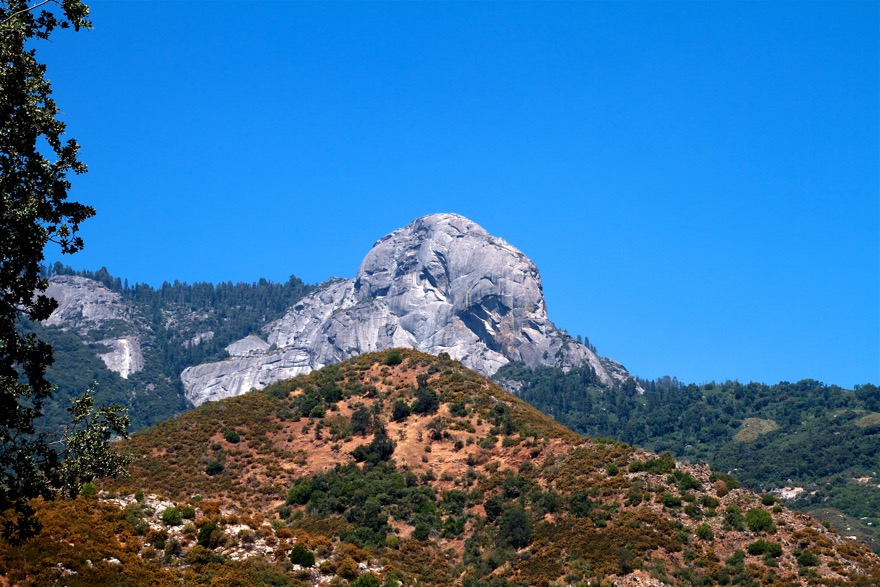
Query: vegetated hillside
point(819, 438)
point(178, 324)
point(407, 469)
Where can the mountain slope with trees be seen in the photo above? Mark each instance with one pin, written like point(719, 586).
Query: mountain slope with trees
point(400, 468)
point(179, 324)
point(821, 438)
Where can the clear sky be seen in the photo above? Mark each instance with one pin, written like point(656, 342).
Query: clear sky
point(698, 183)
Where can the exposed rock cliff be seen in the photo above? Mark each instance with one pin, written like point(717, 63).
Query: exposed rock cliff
point(95, 312)
point(439, 284)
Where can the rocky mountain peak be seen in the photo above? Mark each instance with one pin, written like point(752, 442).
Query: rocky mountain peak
point(440, 284)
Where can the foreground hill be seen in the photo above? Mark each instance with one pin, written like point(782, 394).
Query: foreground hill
point(404, 468)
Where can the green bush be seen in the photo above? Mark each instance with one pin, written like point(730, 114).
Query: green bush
point(733, 519)
point(759, 520)
point(704, 532)
point(808, 559)
point(209, 535)
point(759, 547)
point(301, 556)
point(214, 467)
point(768, 499)
point(188, 512)
point(380, 449)
point(515, 527)
point(427, 401)
point(394, 357)
point(686, 481)
point(400, 411)
point(366, 580)
point(88, 490)
point(301, 491)
point(670, 501)
point(231, 435)
point(171, 517)
point(458, 409)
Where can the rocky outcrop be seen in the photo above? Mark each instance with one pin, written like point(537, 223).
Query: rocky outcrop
point(125, 356)
point(99, 314)
point(439, 284)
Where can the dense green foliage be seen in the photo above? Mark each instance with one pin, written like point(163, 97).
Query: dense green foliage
point(366, 497)
point(807, 434)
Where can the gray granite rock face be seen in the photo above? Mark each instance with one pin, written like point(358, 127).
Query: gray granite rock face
point(439, 284)
point(89, 308)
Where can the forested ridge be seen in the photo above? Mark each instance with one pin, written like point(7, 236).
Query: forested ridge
point(820, 437)
point(180, 325)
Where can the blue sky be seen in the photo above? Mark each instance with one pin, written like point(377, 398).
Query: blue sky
point(696, 182)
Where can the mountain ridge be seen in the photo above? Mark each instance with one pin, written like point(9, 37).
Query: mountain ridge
point(439, 284)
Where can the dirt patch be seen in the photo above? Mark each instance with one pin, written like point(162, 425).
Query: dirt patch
point(752, 428)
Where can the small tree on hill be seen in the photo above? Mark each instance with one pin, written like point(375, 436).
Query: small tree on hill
point(301, 556)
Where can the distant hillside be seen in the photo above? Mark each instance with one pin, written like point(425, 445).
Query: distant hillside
point(166, 330)
point(400, 468)
point(820, 441)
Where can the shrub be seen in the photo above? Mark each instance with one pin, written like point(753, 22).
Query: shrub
point(214, 467)
point(209, 535)
point(612, 470)
point(759, 520)
point(693, 511)
point(768, 499)
point(231, 435)
point(394, 357)
point(427, 401)
point(458, 409)
point(380, 449)
point(759, 547)
point(400, 411)
point(422, 530)
point(188, 512)
point(664, 463)
point(302, 556)
point(488, 442)
point(516, 528)
point(686, 481)
point(733, 519)
point(366, 580)
point(171, 517)
point(670, 501)
point(580, 504)
point(300, 493)
point(361, 421)
point(88, 489)
point(808, 559)
point(494, 507)
point(704, 532)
